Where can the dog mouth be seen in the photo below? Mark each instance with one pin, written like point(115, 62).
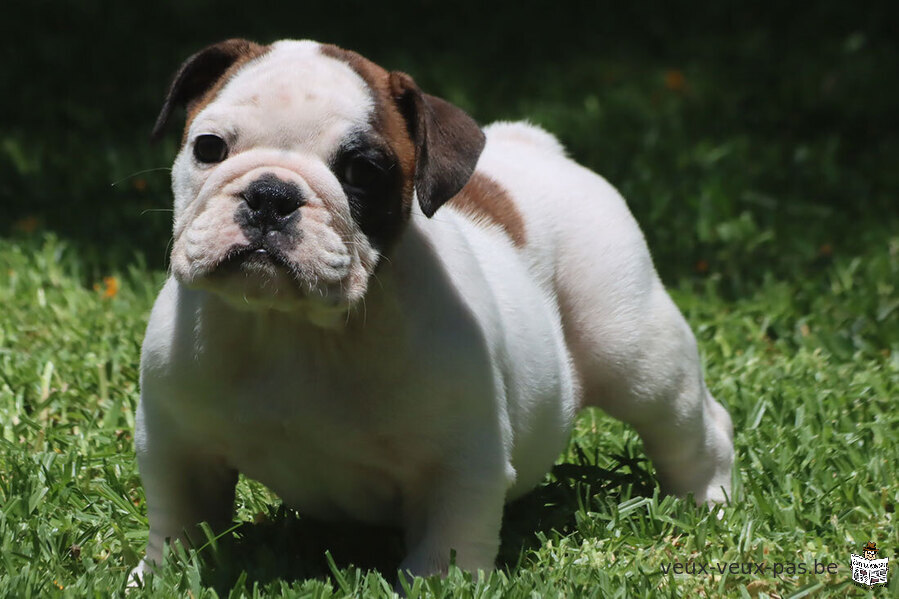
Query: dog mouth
point(261, 275)
point(254, 260)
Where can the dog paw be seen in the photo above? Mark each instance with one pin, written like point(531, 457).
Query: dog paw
point(138, 575)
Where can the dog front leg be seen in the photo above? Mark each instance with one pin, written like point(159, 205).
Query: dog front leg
point(183, 488)
point(461, 511)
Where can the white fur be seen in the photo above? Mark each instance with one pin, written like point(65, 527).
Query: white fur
point(451, 385)
point(284, 114)
point(634, 354)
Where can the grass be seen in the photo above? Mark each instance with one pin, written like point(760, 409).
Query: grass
point(761, 165)
point(805, 367)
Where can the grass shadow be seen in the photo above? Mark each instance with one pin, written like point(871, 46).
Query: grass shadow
point(283, 545)
point(572, 489)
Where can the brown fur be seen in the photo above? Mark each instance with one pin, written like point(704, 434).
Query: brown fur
point(436, 143)
point(244, 55)
point(485, 200)
point(447, 141)
point(202, 76)
point(388, 122)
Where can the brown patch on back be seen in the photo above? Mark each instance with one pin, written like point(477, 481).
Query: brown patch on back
point(386, 120)
point(485, 200)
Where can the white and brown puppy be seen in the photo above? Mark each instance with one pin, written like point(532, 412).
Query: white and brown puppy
point(387, 314)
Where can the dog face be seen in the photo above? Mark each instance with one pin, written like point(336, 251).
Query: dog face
point(298, 169)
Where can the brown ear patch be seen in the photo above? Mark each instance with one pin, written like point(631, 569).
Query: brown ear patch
point(202, 76)
point(484, 200)
point(387, 120)
point(448, 142)
point(436, 144)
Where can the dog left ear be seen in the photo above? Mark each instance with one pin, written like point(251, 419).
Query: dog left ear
point(447, 141)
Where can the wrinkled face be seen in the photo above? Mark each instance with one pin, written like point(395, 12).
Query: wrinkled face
point(295, 177)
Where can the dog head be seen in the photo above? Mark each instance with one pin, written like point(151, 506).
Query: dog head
point(298, 169)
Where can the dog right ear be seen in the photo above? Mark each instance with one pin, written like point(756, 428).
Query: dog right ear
point(447, 141)
point(200, 73)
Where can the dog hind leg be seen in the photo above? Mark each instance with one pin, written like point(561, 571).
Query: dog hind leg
point(641, 365)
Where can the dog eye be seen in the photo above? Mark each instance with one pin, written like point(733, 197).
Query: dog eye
point(210, 148)
point(361, 173)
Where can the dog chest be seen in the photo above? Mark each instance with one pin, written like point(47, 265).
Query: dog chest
point(335, 433)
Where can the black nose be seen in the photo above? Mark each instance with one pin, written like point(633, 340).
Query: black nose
point(270, 197)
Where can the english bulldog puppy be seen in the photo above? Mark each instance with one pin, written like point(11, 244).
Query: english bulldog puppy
point(388, 314)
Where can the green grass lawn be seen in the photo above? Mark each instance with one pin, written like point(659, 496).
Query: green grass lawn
point(762, 167)
point(804, 366)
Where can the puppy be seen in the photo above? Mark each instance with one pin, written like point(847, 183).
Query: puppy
point(388, 314)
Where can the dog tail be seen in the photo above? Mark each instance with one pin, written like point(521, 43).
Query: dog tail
point(524, 132)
